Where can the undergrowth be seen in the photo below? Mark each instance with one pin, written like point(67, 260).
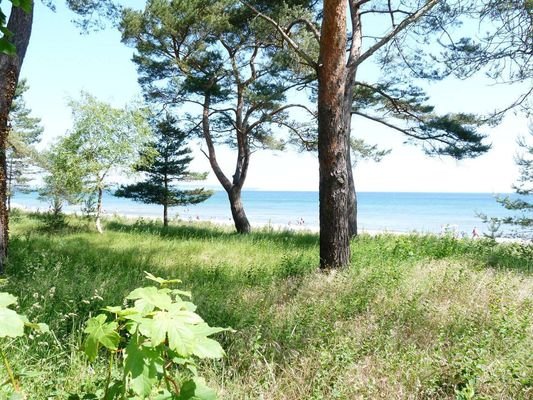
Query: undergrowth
point(415, 317)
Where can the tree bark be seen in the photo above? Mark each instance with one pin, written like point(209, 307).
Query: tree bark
point(352, 199)
point(10, 179)
point(232, 188)
point(165, 215)
point(20, 24)
point(99, 211)
point(237, 211)
point(351, 71)
point(165, 200)
point(332, 138)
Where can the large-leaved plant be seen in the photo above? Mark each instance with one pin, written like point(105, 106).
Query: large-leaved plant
point(159, 337)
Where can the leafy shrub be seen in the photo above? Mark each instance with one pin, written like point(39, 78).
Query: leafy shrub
point(12, 326)
point(156, 338)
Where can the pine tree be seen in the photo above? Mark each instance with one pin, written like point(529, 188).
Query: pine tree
point(165, 161)
point(522, 206)
point(24, 132)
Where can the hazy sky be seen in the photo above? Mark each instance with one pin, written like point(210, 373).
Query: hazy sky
point(60, 63)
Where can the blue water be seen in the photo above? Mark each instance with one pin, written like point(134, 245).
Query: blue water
point(403, 212)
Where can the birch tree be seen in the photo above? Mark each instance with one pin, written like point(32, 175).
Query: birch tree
point(103, 140)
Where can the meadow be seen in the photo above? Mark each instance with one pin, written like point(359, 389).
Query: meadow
point(413, 317)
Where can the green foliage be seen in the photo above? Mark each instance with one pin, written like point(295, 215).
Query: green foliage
point(12, 326)
point(417, 315)
point(160, 334)
point(63, 182)
point(226, 56)
point(521, 205)
point(165, 161)
point(6, 47)
point(502, 48)
point(13, 323)
point(103, 139)
point(455, 135)
point(24, 132)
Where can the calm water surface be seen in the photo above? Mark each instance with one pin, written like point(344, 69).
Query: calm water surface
point(404, 212)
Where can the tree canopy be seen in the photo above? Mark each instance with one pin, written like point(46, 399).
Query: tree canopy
point(217, 61)
point(24, 132)
point(103, 140)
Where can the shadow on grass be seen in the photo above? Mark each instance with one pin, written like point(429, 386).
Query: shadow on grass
point(78, 267)
point(61, 224)
point(209, 232)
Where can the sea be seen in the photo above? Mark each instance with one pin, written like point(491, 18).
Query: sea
point(377, 211)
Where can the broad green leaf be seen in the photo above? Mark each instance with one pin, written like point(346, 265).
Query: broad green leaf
point(11, 323)
point(115, 390)
point(7, 299)
point(130, 313)
point(39, 327)
point(208, 348)
point(187, 305)
point(161, 281)
point(149, 298)
point(180, 336)
point(196, 389)
point(165, 395)
point(182, 293)
point(99, 333)
point(205, 330)
point(112, 309)
point(141, 362)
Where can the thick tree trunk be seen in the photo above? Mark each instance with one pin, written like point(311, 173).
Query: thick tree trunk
point(20, 24)
point(332, 138)
point(237, 211)
point(99, 211)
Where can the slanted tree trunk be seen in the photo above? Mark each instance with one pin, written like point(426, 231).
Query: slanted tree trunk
point(19, 24)
point(332, 138)
point(99, 210)
point(233, 188)
point(237, 211)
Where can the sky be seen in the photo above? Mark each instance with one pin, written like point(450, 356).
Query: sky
point(61, 62)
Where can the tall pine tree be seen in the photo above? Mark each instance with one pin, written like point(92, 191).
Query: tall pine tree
point(24, 132)
point(165, 161)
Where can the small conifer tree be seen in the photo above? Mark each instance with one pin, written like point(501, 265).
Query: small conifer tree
point(165, 161)
point(522, 205)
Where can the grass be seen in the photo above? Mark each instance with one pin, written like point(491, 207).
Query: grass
point(414, 317)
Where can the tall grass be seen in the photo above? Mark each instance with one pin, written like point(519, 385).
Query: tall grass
point(413, 317)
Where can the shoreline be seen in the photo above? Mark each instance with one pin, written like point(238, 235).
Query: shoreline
point(295, 228)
